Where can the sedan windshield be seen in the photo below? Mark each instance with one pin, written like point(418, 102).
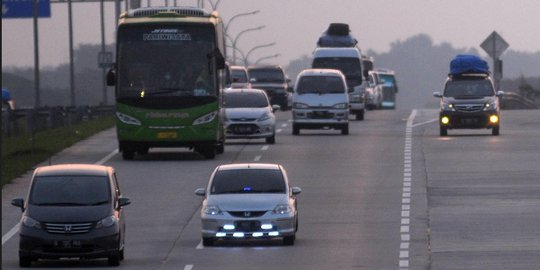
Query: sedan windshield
point(469, 88)
point(245, 100)
point(70, 190)
point(248, 181)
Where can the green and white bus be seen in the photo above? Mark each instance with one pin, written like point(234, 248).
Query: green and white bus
point(169, 74)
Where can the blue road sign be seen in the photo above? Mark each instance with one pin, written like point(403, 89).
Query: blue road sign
point(12, 9)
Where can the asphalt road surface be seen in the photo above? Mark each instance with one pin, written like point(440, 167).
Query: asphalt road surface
point(391, 195)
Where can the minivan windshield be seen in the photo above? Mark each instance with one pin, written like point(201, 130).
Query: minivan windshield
point(248, 181)
point(349, 66)
point(320, 85)
point(70, 190)
point(239, 76)
point(468, 89)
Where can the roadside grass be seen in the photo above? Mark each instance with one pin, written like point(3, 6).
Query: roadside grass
point(17, 154)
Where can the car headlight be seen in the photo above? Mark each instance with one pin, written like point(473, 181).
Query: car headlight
point(340, 106)
point(30, 222)
point(107, 222)
point(207, 118)
point(355, 98)
point(265, 117)
point(490, 106)
point(298, 105)
point(212, 210)
point(126, 119)
point(282, 209)
point(447, 107)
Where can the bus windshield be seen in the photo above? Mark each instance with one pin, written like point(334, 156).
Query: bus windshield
point(165, 60)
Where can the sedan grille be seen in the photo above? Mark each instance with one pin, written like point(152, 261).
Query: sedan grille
point(469, 107)
point(68, 228)
point(246, 214)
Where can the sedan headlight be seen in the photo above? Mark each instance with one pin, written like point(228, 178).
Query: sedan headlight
point(30, 222)
point(265, 116)
point(212, 210)
point(126, 119)
point(298, 105)
point(448, 107)
point(207, 118)
point(340, 106)
point(282, 209)
point(107, 222)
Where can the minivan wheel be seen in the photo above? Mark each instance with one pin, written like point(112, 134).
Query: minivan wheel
point(25, 261)
point(289, 240)
point(121, 254)
point(443, 131)
point(295, 129)
point(207, 241)
point(114, 260)
point(360, 115)
point(495, 131)
point(345, 130)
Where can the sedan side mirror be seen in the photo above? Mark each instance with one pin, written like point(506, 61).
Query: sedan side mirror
point(296, 190)
point(19, 202)
point(200, 192)
point(437, 94)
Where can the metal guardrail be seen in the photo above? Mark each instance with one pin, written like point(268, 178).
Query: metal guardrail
point(26, 121)
point(515, 101)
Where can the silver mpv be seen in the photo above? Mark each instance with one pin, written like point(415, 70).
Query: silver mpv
point(249, 201)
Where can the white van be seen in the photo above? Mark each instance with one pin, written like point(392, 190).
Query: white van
point(320, 101)
point(349, 62)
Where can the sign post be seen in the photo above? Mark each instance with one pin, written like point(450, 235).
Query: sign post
point(495, 45)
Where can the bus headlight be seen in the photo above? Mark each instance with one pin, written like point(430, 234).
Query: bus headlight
point(207, 118)
point(126, 119)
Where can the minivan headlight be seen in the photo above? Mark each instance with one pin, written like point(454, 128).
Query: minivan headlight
point(340, 106)
point(126, 119)
point(30, 222)
point(282, 209)
point(212, 210)
point(106, 222)
point(448, 107)
point(298, 105)
point(207, 118)
point(490, 106)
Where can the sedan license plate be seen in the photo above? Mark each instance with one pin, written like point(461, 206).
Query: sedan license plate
point(68, 244)
point(244, 129)
point(167, 135)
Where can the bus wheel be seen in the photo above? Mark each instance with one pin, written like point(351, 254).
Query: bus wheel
point(209, 152)
point(128, 154)
point(221, 148)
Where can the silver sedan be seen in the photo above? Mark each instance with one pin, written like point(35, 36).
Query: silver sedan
point(249, 201)
point(249, 115)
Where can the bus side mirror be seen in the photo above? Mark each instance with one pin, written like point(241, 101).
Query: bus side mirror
point(111, 76)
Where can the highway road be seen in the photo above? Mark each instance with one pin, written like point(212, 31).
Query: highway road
point(391, 195)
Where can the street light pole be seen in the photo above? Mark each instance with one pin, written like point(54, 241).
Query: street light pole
point(266, 57)
point(239, 15)
point(241, 54)
point(254, 48)
point(238, 36)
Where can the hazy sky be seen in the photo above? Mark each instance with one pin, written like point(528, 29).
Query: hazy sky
point(295, 25)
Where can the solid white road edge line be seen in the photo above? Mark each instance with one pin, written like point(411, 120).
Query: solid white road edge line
point(15, 228)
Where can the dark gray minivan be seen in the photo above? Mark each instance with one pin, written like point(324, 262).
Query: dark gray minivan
point(72, 211)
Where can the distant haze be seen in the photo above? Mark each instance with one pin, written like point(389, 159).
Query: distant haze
point(295, 26)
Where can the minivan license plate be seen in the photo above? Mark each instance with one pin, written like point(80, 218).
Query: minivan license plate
point(67, 244)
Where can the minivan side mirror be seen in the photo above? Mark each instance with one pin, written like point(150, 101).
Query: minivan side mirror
point(500, 94)
point(252, 80)
point(200, 192)
point(123, 201)
point(275, 107)
point(437, 94)
point(296, 190)
point(19, 202)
